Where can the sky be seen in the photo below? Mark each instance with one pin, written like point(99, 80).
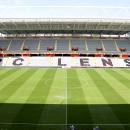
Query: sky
point(119, 9)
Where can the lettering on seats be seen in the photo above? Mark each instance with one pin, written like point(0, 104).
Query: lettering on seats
point(107, 62)
point(84, 62)
point(18, 61)
point(127, 61)
point(59, 62)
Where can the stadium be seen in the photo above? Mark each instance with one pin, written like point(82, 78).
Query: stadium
point(64, 74)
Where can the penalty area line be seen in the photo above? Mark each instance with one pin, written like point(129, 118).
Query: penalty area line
point(5, 123)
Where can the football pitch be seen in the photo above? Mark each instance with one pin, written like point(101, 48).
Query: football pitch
point(55, 98)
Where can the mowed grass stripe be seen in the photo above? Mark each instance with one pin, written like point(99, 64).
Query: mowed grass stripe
point(120, 78)
point(4, 70)
point(14, 85)
point(55, 109)
point(92, 93)
point(122, 111)
point(43, 87)
point(123, 73)
point(109, 94)
point(7, 80)
point(73, 83)
point(32, 114)
point(58, 93)
point(7, 74)
point(77, 110)
point(127, 70)
point(23, 93)
point(99, 111)
point(7, 111)
point(11, 110)
point(120, 88)
point(105, 88)
point(94, 96)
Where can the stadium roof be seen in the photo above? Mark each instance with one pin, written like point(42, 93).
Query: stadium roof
point(64, 25)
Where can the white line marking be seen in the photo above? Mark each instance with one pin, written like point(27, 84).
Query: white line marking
point(4, 123)
point(66, 99)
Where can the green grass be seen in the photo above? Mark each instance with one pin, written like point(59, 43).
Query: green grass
point(50, 99)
